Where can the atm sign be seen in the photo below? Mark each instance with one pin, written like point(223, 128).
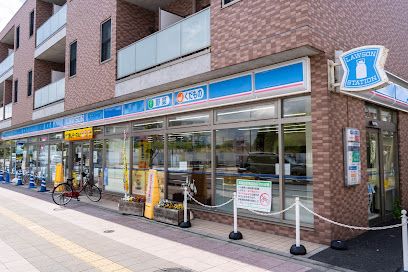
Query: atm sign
point(191, 95)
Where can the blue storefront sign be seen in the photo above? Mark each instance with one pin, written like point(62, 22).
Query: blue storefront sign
point(364, 68)
point(191, 95)
point(159, 102)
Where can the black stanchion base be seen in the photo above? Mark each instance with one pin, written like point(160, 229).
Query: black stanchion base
point(339, 245)
point(298, 250)
point(235, 235)
point(185, 225)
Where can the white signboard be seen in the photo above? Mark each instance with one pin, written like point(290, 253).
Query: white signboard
point(352, 156)
point(254, 195)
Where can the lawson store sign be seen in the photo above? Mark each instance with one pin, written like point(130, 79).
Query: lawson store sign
point(273, 81)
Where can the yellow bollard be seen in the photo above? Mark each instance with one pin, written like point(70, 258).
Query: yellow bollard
point(59, 175)
point(152, 194)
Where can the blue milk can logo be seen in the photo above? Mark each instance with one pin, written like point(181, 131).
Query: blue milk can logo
point(364, 68)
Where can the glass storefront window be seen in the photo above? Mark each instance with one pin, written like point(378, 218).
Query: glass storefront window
point(55, 158)
point(7, 154)
point(189, 159)
point(371, 112)
point(32, 159)
point(298, 168)
point(57, 136)
point(116, 129)
point(297, 106)
point(148, 153)
point(97, 131)
point(148, 125)
point(43, 138)
point(250, 153)
point(387, 115)
point(389, 169)
point(189, 120)
point(13, 157)
point(43, 160)
point(1, 159)
point(113, 172)
point(21, 155)
point(247, 113)
point(98, 162)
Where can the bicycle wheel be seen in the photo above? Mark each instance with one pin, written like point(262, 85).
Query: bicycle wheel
point(62, 194)
point(93, 192)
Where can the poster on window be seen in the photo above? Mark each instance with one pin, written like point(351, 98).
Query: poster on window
point(352, 156)
point(254, 195)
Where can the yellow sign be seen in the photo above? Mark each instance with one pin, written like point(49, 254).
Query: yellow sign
point(152, 194)
point(78, 134)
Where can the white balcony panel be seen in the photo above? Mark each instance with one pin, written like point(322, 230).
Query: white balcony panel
point(49, 94)
point(5, 123)
point(180, 39)
point(51, 26)
point(53, 49)
point(8, 111)
point(48, 110)
point(182, 69)
point(6, 67)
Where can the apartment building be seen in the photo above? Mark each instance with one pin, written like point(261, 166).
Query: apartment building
point(212, 91)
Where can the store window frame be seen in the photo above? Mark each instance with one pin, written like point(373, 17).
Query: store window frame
point(106, 42)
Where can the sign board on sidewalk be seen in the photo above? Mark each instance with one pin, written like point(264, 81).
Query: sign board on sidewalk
point(152, 193)
point(254, 195)
point(352, 156)
point(364, 68)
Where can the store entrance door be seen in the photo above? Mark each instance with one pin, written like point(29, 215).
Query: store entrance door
point(80, 161)
point(381, 170)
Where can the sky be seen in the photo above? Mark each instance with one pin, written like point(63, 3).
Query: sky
point(7, 9)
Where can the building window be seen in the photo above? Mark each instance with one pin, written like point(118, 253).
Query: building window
point(17, 37)
point(189, 120)
point(31, 23)
point(72, 58)
point(106, 40)
point(29, 83)
point(297, 106)
point(247, 113)
point(226, 3)
point(15, 91)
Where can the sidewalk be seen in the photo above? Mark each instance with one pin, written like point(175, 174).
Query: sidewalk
point(240, 251)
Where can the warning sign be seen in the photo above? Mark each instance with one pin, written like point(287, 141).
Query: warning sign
point(254, 195)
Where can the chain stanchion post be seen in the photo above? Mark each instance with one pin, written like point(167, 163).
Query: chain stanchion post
point(186, 223)
point(297, 248)
point(235, 234)
point(404, 241)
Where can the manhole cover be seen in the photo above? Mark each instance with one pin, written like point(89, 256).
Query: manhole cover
point(108, 231)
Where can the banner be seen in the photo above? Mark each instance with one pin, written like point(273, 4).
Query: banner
point(254, 195)
point(78, 134)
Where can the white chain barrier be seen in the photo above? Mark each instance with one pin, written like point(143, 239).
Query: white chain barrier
point(209, 206)
point(348, 226)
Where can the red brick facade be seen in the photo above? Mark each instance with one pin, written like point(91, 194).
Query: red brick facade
point(241, 33)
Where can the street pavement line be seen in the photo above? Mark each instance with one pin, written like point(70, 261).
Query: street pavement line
point(74, 249)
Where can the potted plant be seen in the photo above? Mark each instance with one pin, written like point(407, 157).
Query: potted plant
point(133, 205)
point(169, 212)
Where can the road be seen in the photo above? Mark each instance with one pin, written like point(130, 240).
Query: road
point(36, 235)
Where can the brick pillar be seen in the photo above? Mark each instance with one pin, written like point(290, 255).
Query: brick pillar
point(403, 158)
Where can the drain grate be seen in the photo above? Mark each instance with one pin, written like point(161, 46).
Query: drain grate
point(174, 270)
point(108, 231)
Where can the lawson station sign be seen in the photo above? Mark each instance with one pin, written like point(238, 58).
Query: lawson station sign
point(364, 68)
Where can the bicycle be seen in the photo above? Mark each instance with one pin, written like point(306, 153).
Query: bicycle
point(64, 192)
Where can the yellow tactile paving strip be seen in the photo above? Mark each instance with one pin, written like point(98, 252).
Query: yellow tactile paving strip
point(99, 262)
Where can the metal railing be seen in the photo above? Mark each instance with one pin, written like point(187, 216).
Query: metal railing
point(49, 94)
point(8, 109)
point(52, 25)
point(182, 38)
point(7, 64)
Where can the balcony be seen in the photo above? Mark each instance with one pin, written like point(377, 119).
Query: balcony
point(183, 38)
point(8, 109)
point(49, 94)
point(6, 67)
point(50, 38)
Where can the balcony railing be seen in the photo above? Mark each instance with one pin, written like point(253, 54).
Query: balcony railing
point(52, 25)
point(7, 64)
point(50, 94)
point(8, 109)
point(184, 37)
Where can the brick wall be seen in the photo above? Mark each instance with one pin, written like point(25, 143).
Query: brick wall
point(94, 82)
point(180, 7)
point(4, 51)
point(42, 72)
point(23, 62)
point(133, 23)
point(403, 158)
point(42, 13)
point(8, 92)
